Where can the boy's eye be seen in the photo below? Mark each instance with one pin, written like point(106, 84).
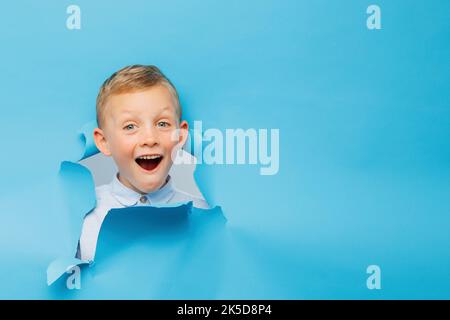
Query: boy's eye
point(129, 127)
point(163, 124)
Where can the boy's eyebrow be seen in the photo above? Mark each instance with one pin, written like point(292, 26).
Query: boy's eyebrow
point(126, 114)
point(165, 109)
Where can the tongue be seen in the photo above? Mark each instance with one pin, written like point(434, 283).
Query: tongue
point(148, 164)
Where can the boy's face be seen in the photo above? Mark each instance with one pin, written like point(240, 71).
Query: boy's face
point(140, 133)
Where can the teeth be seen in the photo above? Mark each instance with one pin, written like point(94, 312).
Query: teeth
point(149, 157)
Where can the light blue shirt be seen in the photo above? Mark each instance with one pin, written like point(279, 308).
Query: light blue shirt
point(116, 195)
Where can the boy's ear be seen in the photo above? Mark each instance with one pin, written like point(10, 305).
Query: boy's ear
point(184, 132)
point(100, 142)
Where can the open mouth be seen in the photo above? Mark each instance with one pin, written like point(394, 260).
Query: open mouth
point(149, 162)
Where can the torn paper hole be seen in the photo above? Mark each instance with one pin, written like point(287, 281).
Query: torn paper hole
point(80, 177)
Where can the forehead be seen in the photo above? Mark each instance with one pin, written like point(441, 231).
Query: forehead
point(147, 102)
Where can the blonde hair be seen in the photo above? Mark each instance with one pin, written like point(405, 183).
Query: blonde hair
point(130, 79)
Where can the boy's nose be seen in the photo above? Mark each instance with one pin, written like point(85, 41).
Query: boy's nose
point(149, 137)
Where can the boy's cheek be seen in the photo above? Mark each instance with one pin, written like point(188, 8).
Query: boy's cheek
point(174, 139)
point(124, 144)
point(171, 136)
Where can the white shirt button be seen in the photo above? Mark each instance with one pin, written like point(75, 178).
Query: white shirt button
point(143, 199)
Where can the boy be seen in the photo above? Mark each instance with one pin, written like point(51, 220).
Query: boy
point(140, 126)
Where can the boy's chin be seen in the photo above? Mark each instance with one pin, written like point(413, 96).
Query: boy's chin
point(147, 187)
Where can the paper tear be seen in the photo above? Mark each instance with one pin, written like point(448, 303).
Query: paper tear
point(141, 249)
point(79, 194)
point(78, 183)
point(59, 267)
point(87, 137)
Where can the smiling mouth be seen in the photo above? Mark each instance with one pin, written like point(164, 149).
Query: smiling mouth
point(149, 162)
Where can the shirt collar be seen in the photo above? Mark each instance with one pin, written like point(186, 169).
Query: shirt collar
point(128, 197)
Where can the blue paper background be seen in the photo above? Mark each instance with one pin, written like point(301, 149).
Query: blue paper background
point(364, 121)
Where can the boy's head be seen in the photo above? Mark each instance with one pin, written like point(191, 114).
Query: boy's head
point(139, 125)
